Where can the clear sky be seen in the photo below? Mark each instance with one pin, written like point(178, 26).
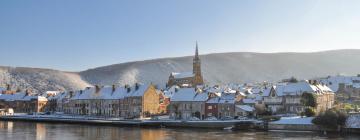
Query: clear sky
point(75, 35)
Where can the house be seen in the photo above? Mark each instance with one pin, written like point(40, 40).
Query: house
point(244, 111)
point(221, 107)
point(96, 101)
point(23, 102)
point(347, 88)
point(6, 112)
point(188, 79)
point(286, 98)
point(163, 103)
point(142, 101)
point(187, 103)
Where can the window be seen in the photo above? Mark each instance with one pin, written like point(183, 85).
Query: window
point(209, 107)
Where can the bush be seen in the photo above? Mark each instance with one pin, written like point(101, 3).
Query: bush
point(331, 119)
point(309, 112)
point(308, 99)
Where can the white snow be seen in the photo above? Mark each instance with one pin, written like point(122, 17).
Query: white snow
point(298, 88)
point(353, 121)
point(189, 94)
point(245, 108)
point(21, 96)
point(182, 75)
point(294, 120)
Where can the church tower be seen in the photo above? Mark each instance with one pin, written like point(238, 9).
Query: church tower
point(198, 79)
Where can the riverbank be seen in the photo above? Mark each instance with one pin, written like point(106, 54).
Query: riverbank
point(285, 124)
point(221, 124)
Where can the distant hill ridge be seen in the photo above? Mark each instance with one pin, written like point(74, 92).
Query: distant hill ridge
point(218, 68)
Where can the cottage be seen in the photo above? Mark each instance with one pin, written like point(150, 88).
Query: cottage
point(187, 103)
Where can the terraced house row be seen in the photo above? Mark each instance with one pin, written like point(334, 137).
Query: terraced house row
point(137, 101)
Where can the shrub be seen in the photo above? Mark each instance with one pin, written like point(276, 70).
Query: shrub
point(331, 119)
point(309, 112)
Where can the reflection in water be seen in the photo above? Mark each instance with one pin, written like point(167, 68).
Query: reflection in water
point(45, 131)
point(40, 131)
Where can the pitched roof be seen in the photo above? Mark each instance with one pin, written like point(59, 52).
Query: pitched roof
point(20, 96)
point(245, 108)
point(108, 93)
point(182, 75)
point(189, 94)
point(298, 89)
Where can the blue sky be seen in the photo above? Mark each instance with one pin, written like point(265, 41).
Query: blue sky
point(75, 35)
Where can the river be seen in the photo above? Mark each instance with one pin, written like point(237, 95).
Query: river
point(48, 131)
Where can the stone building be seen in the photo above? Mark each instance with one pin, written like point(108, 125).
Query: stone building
point(221, 107)
point(138, 101)
point(23, 102)
point(188, 79)
point(188, 103)
point(287, 98)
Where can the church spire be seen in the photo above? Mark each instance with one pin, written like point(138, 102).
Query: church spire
point(196, 51)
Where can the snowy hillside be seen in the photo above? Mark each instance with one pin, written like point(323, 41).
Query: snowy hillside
point(40, 80)
point(232, 67)
point(217, 68)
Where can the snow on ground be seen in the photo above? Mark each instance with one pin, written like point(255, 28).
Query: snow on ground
point(353, 121)
point(294, 120)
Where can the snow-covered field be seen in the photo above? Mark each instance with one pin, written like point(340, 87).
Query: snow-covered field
point(294, 120)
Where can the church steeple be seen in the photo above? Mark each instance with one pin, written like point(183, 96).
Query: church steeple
point(196, 51)
point(198, 80)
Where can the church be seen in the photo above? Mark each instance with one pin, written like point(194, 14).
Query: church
point(188, 79)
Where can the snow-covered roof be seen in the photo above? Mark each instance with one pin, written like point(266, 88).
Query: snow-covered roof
point(21, 96)
point(189, 94)
point(2, 89)
point(245, 108)
point(59, 96)
point(266, 92)
point(333, 81)
point(298, 89)
point(182, 75)
point(139, 91)
point(248, 101)
point(170, 92)
point(108, 92)
point(225, 98)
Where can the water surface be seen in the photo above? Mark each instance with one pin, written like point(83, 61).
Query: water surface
point(48, 131)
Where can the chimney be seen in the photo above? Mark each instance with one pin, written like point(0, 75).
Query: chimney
point(97, 88)
point(136, 86)
point(8, 87)
point(27, 92)
point(113, 88)
point(81, 92)
point(71, 94)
